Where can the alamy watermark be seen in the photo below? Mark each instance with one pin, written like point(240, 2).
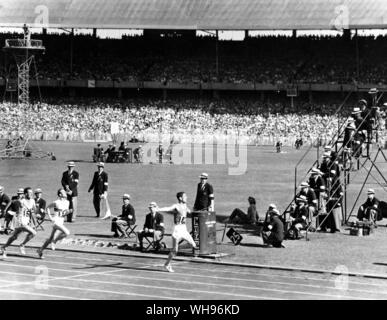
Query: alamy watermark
point(230, 151)
point(42, 17)
point(41, 280)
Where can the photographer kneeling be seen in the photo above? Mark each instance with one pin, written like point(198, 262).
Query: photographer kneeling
point(275, 235)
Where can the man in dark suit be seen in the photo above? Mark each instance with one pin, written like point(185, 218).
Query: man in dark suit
point(154, 226)
point(369, 209)
point(70, 180)
point(299, 216)
point(275, 235)
point(99, 185)
point(311, 197)
point(127, 217)
point(4, 203)
point(40, 204)
point(204, 195)
point(110, 153)
point(316, 182)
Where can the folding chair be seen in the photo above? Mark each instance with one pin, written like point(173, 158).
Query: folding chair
point(39, 223)
point(131, 231)
point(151, 243)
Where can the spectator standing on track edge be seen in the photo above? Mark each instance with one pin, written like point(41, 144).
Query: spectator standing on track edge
point(99, 185)
point(204, 195)
point(70, 180)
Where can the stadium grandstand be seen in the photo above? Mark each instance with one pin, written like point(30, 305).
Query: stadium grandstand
point(294, 74)
point(295, 124)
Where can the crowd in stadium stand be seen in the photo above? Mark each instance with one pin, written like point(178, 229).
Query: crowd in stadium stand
point(273, 60)
point(185, 117)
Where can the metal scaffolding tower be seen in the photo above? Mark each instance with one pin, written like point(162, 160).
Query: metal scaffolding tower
point(24, 51)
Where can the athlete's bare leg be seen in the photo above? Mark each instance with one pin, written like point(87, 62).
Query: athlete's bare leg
point(31, 233)
point(64, 232)
point(49, 240)
point(172, 253)
point(12, 238)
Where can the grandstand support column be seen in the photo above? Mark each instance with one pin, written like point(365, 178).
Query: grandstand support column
point(217, 54)
point(294, 33)
point(72, 92)
point(94, 33)
point(119, 93)
point(357, 56)
point(262, 96)
point(71, 50)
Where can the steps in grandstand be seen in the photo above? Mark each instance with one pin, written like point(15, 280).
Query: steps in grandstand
point(368, 154)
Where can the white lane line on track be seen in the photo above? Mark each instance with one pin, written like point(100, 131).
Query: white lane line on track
point(76, 276)
point(177, 281)
point(82, 289)
point(152, 286)
point(217, 277)
point(249, 287)
point(39, 294)
point(284, 276)
point(236, 279)
point(122, 284)
point(245, 273)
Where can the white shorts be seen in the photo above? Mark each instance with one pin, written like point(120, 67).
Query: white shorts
point(21, 221)
point(58, 221)
point(180, 232)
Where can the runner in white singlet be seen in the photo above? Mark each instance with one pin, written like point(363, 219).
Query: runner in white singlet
point(180, 232)
point(56, 211)
point(22, 222)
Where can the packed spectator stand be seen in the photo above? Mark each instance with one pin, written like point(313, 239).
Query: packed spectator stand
point(142, 119)
point(268, 59)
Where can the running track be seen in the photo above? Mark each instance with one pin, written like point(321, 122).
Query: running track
point(77, 275)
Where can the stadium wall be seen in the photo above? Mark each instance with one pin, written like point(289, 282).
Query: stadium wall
point(209, 86)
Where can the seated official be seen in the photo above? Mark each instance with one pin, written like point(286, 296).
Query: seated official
point(238, 216)
point(310, 195)
point(369, 209)
point(110, 153)
point(98, 153)
point(127, 217)
point(153, 227)
point(275, 234)
point(279, 146)
point(138, 154)
point(40, 204)
point(299, 217)
point(316, 182)
point(122, 146)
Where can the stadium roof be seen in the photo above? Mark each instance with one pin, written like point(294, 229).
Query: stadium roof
point(196, 14)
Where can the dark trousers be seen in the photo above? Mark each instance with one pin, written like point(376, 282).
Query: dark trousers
point(157, 235)
point(119, 224)
point(97, 203)
point(268, 238)
point(238, 213)
point(368, 214)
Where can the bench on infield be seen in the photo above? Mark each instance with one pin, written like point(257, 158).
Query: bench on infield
point(255, 229)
